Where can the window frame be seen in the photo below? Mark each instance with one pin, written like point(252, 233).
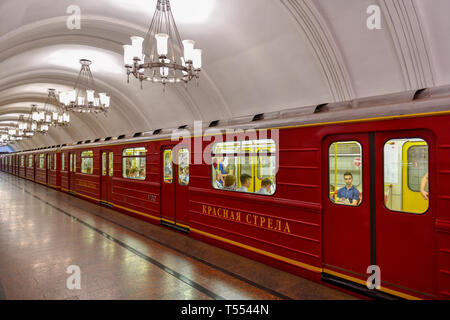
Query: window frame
point(125, 157)
point(164, 166)
point(429, 184)
point(361, 175)
point(104, 173)
point(242, 153)
point(30, 157)
point(90, 155)
point(41, 156)
point(111, 164)
point(188, 166)
point(63, 159)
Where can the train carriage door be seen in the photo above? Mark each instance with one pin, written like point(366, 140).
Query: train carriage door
point(174, 187)
point(72, 170)
point(346, 204)
point(107, 165)
point(405, 234)
point(182, 187)
point(48, 168)
point(167, 186)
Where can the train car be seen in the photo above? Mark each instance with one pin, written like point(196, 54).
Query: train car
point(330, 197)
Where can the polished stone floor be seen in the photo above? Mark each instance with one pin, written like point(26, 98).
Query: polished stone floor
point(43, 232)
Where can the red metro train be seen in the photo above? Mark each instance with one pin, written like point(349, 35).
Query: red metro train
point(327, 196)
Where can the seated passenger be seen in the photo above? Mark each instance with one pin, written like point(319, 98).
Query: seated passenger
point(266, 185)
point(230, 183)
point(246, 181)
point(184, 178)
point(348, 195)
point(332, 193)
point(230, 169)
point(220, 172)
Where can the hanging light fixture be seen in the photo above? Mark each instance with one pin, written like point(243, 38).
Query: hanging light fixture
point(58, 116)
point(162, 57)
point(83, 97)
point(54, 114)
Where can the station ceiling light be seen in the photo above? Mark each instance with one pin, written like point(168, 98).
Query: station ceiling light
point(161, 57)
point(83, 97)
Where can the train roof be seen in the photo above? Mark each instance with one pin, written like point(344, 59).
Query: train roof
point(413, 103)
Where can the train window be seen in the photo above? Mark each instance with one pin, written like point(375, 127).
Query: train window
point(41, 161)
point(103, 163)
point(111, 164)
point(183, 167)
point(30, 161)
point(54, 161)
point(345, 173)
point(71, 163)
point(245, 166)
point(74, 163)
point(49, 161)
point(134, 163)
point(406, 175)
point(63, 159)
point(22, 161)
point(87, 162)
point(168, 170)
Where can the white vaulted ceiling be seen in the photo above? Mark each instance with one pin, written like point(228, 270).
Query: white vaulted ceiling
point(259, 56)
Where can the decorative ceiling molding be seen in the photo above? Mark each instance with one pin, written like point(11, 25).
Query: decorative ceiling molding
point(410, 43)
point(324, 47)
point(48, 32)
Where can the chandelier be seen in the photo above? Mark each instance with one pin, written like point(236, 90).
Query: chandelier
point(83, 97)
point(13, 133)
point(53, 113)
point(37, 122)
point(162, 57)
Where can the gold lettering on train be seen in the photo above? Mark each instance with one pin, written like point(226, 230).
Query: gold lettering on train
point(251, 219)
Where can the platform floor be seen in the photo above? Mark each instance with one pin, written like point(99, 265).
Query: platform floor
point(43, 232)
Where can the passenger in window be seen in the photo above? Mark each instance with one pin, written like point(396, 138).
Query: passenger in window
point(230, 169)
point(332, 193)
point(423, 187)
point(220, 172)
point(348, 195)
point(246, 181)
point(266, 186)
point(184, 176)
point(230, 183)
